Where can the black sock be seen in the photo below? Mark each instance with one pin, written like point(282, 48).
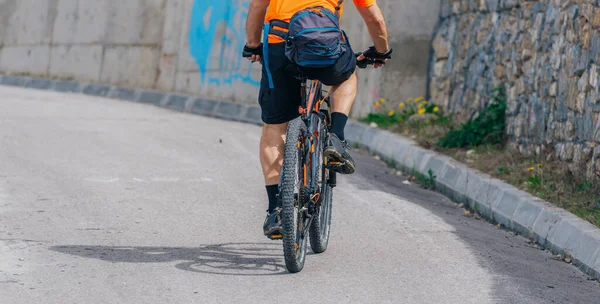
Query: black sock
point(272, 194)
point(338, 123)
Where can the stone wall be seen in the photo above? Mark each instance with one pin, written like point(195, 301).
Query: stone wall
point(190, 46)
point(546, 53)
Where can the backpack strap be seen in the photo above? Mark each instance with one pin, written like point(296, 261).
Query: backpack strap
point(338, 8)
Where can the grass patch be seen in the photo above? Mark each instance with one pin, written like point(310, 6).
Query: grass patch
point(485, 151)
point(550, 181)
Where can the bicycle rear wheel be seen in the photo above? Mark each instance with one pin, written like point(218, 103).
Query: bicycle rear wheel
point(292, 195)
point(319, 228)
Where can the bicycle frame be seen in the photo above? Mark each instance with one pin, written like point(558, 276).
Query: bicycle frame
point(317, 120)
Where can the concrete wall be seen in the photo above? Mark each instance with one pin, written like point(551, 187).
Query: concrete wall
point(410, 26)
point(190, 46)
point(546, 53)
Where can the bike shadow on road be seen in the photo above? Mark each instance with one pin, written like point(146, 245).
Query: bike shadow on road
point(237, 259)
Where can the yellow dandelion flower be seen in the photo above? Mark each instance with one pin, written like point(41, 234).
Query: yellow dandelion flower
point(377, 104)
point(421, 111)
point(425, 102)
point(531, 169)
point(391, 113)
point(420, 106)
point(539, 165)
point(436, 109)
point(419, 99)
point(382, 101)
point(401, 105)
point(410, 100)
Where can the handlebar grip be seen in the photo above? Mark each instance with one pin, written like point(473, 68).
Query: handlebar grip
point(362, 64)
point(248, 51)
point(247, 54)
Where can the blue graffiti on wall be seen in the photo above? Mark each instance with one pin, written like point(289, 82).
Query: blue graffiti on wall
point(217, 37)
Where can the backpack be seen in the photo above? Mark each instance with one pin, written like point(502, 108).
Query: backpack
point(314, 38)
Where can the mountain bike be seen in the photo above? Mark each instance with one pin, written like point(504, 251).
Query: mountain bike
point(307, 177)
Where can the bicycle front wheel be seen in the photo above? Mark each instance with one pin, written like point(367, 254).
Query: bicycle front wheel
point(292, 193)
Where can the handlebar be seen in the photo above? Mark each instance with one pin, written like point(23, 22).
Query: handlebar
point(366, 62)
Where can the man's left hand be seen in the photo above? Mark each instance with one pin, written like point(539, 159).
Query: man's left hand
point(253, 52)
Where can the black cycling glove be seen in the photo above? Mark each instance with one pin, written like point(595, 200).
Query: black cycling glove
point(372, 53)
point(249, 51)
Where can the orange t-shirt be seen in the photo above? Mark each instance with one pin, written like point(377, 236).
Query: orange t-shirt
point(285, 9)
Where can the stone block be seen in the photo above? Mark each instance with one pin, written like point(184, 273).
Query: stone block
point(229, 110)
point(419, 158)
point(40, 84)
point(81, 21)
point(354, 131)
point(171, 39)
point(504, 208)
point(547, 223)
point(488, 194)
point(26, 22)
point(15, 81)
point(579, 239)
point(380, 139)
point(167, 72)
point(123, 94)
point(389, 148)
point(96, 89)
point(68, 86)
point(253, 115)
point(176, 102)
point(135, 21)
point(151, 97)
point(33, 60)
point(454, 178)
point(440, 48)
point(422, 160)
point(367, 136)
point(526, 215)
point(172, 27)
point(81, 62)
point(404, 157)
point(446, 9)
point(130, 66)
point(437, 164)
point(476, 188)
point(205, 107)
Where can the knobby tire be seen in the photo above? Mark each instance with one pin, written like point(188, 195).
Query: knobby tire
point(294, 256)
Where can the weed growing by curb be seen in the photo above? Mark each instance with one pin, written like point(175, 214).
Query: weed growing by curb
point(487, 128)
point(426, 181)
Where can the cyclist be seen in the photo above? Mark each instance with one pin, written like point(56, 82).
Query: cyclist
point(279, 96)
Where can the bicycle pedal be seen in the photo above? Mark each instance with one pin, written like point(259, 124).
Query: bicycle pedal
point(335, 165)
point(275, 236)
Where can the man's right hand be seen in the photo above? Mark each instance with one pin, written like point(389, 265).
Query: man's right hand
point(253, 53)
point(373, 55)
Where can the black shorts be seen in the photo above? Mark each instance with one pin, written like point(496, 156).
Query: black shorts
point(280, 104)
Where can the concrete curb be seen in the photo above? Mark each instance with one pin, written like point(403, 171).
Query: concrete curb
point(173, 101)
point(554, 228)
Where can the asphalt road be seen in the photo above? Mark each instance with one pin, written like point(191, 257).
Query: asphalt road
point(103, 201)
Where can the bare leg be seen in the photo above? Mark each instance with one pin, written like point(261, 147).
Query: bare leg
point(337, 149)
point(343, 95)
point(272, 145)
